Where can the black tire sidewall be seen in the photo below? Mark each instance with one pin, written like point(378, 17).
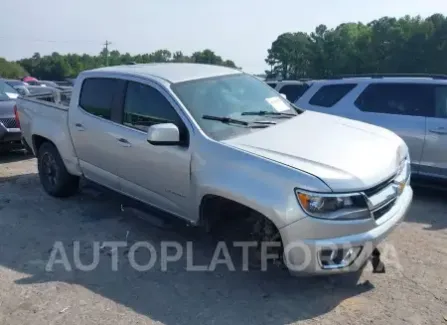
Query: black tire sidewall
point(49, 149)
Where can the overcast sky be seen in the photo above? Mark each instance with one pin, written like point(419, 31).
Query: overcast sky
point(240, 30)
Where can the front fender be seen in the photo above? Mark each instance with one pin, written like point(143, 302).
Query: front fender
point(262, 185)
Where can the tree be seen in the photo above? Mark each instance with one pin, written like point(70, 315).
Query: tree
point(59, 67)
point(386, 45)
point(288, 56)
point(11, 70)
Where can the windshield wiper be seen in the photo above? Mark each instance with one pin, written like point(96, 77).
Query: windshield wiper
point(224, 119)
point(266, 113)
point(229, 120)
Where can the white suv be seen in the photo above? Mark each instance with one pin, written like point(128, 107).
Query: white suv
point(292, 89)
point(413, 106)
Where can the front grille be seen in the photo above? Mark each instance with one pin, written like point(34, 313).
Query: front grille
point(9, 123)
point(376, 189)
point(380, 212)
point(385, 208)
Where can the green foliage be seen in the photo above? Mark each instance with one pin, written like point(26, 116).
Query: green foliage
point(59, 67)
point(11, 70)
point(405, 45)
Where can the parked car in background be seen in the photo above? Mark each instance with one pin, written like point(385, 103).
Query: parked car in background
point(22, 90)
point(207, 144)
point(56, 85)
point(18, 85)
point(36, 83)
point(50, 94)
point(68, 82)
point(10, 135)
point(413, 106)
point(28, 79)
point(38, 90)
point(292, 89)
point(15, 83)
point(48, 83)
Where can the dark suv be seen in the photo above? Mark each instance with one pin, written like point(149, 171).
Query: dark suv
point(10, 135)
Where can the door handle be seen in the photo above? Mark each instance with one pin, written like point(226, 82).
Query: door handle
point(79, 127)
point(124, 142)
point(439, 131)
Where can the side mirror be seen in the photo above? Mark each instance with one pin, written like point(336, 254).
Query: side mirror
point(164, 134)
point(283, 95)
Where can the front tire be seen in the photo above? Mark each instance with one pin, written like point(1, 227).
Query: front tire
point(54, 177)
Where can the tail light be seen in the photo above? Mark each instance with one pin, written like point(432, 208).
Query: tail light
point(16, 115)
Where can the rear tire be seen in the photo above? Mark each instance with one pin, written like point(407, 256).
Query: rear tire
point(54, 177)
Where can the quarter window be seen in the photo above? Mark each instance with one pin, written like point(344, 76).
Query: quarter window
point(400, 99)
point(329, 95)
point(98, 95)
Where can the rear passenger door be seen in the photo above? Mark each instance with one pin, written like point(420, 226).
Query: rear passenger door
point(402, 108)
point(434, 156)
point(94, 135)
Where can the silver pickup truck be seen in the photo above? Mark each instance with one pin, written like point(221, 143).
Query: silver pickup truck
point(205, 143)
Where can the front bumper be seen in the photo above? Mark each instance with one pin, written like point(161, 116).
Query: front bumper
point(10, 137)
point(6, 134)
point(305, 240)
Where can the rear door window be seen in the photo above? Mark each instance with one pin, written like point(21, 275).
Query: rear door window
point(272, 84)
point(329, 95)
point(398, 98)
point(99, 96)
point(294, 92)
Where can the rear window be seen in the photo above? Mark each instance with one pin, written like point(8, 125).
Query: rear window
point(329, 95)
point(398, 98)
point(98, 94)
point(294, 92)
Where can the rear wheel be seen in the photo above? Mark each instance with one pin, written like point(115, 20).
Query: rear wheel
point(54, 177)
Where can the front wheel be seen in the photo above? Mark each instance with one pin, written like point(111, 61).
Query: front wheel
point(55, 178)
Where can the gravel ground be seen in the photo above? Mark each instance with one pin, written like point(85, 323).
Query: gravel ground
point(413, 291)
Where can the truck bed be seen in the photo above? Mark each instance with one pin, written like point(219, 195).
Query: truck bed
point(42, 120)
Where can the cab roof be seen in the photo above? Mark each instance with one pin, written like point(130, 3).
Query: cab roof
point(171, 72)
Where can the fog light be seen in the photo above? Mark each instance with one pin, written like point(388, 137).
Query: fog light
point(338, 258)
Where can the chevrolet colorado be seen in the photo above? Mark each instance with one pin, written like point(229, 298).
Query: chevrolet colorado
point(204, 142)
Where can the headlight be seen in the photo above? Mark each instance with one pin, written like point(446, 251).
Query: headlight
point(403, 175)
point(337, 206)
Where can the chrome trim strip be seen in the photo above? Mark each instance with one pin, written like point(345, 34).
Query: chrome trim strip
point(385, 196)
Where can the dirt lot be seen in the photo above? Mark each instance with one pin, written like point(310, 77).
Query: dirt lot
point(31, 221)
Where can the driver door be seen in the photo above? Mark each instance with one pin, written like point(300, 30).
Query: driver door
point(158, 175)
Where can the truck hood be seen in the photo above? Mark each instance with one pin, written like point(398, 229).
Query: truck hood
point(7, 108)
point(345, 154)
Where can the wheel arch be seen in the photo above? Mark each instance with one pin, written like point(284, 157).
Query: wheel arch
point(209, 201)
point(71, 164)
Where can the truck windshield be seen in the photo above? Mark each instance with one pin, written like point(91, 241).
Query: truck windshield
point(7, 92)
point(232, 96)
